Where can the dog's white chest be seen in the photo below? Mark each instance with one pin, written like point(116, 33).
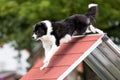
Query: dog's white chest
point(48, 41)
point(50, 48)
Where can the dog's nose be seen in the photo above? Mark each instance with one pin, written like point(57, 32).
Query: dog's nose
point(33, 37)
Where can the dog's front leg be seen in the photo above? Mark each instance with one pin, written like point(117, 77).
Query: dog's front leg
point(45, 64)
point(49, 55)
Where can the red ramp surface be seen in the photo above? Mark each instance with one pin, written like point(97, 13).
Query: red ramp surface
point(67, 58)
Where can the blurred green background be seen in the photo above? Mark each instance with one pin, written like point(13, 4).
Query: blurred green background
point(18, 16)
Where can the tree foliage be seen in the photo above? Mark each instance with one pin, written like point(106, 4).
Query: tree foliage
point(18, 16)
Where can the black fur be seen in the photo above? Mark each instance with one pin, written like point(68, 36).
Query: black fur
point(40, 29)
point(77, 22)
point(68, 26)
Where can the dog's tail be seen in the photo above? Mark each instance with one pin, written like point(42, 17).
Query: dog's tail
point(92, 11)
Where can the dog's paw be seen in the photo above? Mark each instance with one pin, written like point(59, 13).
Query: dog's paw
point(45, 65)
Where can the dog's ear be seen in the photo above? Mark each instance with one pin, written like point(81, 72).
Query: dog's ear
point(38, 25)
point(41, 24)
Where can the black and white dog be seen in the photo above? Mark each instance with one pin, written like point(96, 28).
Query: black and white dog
point(53, 34)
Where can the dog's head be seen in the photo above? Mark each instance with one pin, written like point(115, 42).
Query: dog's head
point(42, 28)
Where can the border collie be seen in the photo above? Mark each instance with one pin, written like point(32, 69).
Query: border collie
point(53, 34)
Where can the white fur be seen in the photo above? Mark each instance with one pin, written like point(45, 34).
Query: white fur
point(92, 5)
point(87, 30)
point(50, 48)
point(99, 31)
point(35, 36)
point(49, 45)
point(94, 30)
point(65, 39)
point(49, 26)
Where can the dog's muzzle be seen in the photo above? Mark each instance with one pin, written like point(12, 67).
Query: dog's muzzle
point(34, 37)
